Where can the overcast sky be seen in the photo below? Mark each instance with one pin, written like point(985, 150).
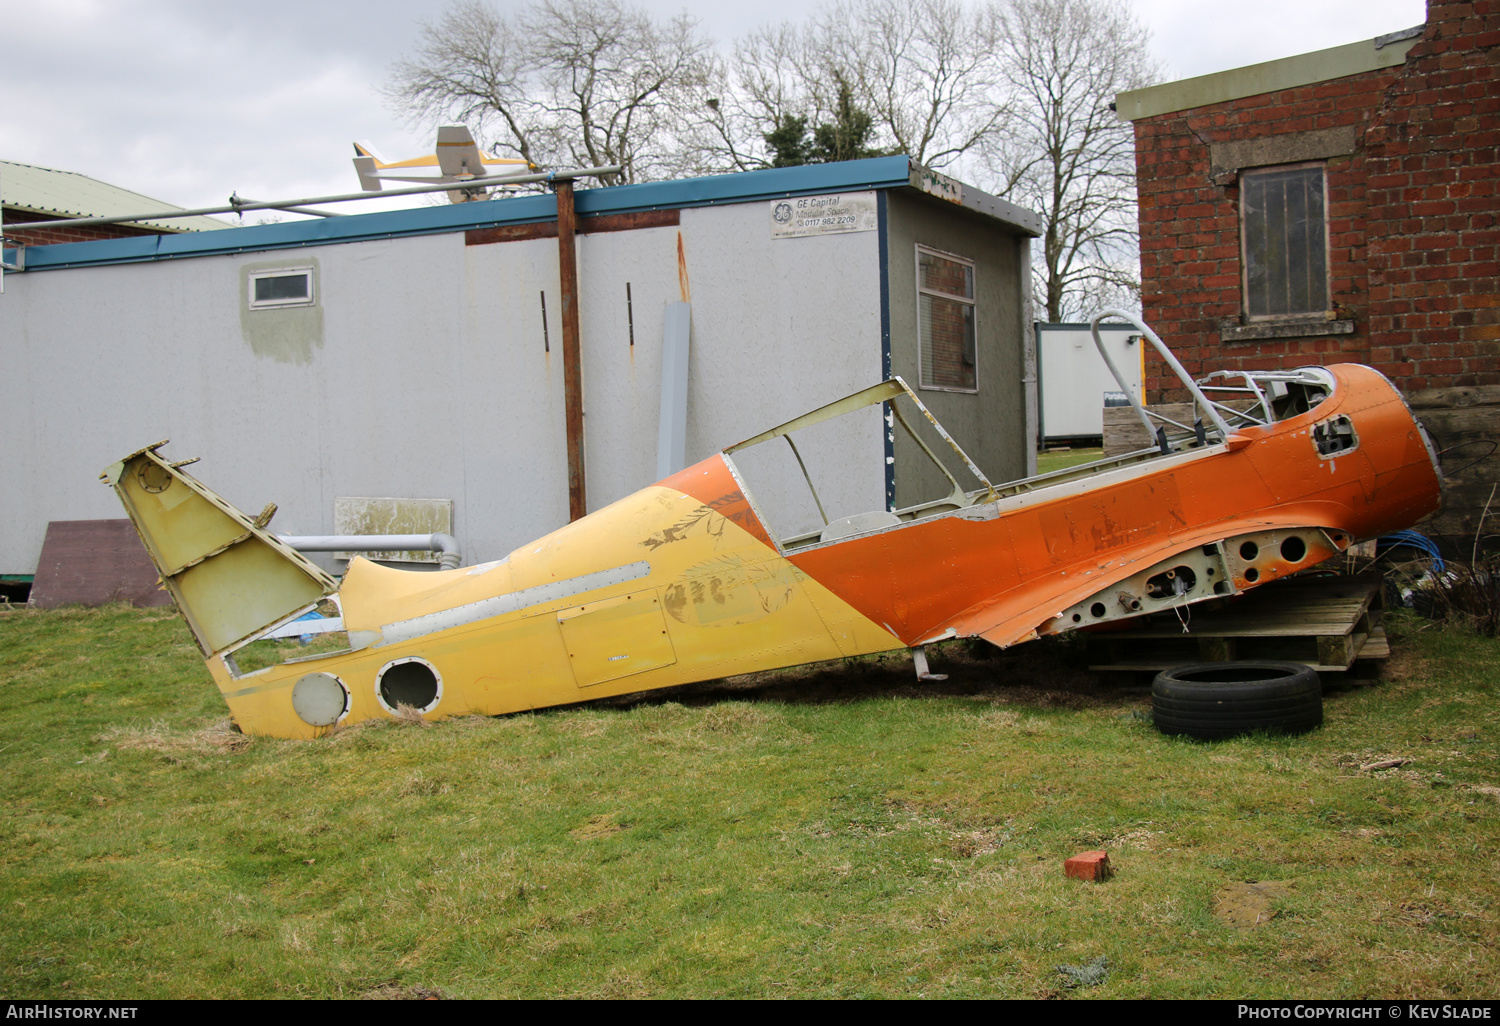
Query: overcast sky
point(190, 100)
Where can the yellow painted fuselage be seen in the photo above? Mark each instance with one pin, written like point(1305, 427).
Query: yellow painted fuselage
point(655, 590)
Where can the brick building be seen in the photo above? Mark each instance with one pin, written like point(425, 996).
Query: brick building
point(1340, 206)
point(1332, 207)
point(30, 194)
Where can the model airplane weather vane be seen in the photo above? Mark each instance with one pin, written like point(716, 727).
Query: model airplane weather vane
point(458, 159)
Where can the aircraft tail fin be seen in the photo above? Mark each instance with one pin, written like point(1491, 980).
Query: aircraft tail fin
point(366, 163)
point(231, 579)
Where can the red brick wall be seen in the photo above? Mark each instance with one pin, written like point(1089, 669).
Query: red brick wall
point(1434, 235)
point(1412, 226)
point(49, 236)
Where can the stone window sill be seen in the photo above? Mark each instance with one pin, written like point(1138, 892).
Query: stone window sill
point(1232, 331)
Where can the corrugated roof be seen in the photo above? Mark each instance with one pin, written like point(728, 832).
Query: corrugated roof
point(45, 190)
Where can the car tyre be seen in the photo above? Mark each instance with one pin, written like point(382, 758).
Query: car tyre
point(1218, 700)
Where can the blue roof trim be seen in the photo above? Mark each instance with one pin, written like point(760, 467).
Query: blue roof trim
point(747, 187)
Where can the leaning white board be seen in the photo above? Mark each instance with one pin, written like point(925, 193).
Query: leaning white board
point(1075, 384)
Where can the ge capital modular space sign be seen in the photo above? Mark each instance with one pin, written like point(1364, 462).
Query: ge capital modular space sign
point(823, 215)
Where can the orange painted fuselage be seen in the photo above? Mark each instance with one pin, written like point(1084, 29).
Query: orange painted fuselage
point(1003, 570)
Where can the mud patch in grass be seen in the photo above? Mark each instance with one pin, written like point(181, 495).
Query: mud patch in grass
point(599, 826)
point(1248, 905)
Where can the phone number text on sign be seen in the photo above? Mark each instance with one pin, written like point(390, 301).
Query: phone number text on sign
point(822, 215)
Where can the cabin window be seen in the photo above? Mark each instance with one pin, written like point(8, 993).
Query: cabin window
point(289, 286)
point(1284, 234)
point(946, 329)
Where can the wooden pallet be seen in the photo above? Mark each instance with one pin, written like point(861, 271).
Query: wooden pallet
point(1323, 622)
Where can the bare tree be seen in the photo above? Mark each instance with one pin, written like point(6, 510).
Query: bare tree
point(921, 73)
point(616, 83)
point(774, 83)
point(1069, 158)
point(471, 67)
point(723, 135)
point(924, 69)
point(582, 82)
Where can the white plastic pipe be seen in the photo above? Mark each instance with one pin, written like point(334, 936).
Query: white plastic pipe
point(444, 544)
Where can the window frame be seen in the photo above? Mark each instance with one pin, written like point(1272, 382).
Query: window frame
point(1320, 314)
point(311, 299)
point(971, 301)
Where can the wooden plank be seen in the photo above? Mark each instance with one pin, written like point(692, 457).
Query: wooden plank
point(93, 562)
point(511, 233)
point(1124, 432)
point(586, 226)
point(1157, 665)
point(1445, 398)
point(1451, 426)
point(1298, 608)
point(1165, 659)
point(1325, 623)
point(1376, 646)
point(1336, 650)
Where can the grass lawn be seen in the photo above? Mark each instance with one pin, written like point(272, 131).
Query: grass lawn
point(1046, 462)
point(840, 833)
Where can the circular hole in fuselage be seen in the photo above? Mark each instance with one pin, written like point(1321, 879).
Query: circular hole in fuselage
point(1097, 609)
point(409, 683)
point(1249, 550)
point(1294, 549)
point(1252, 575)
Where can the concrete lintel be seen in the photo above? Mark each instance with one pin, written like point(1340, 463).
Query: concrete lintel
point(1227, 158)
point(1232, 331)
point(1270, 77)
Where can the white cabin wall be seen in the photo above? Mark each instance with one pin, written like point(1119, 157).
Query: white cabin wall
point(430, 380)
point(782, 326)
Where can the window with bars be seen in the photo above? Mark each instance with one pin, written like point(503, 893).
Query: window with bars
point(945, 321)
point(1284, 235)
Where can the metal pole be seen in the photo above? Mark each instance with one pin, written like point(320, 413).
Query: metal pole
point(233, 208)
point(240, 201)
point(567, 272)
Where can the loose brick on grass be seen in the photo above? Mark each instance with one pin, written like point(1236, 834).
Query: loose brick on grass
point(1089, 865)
